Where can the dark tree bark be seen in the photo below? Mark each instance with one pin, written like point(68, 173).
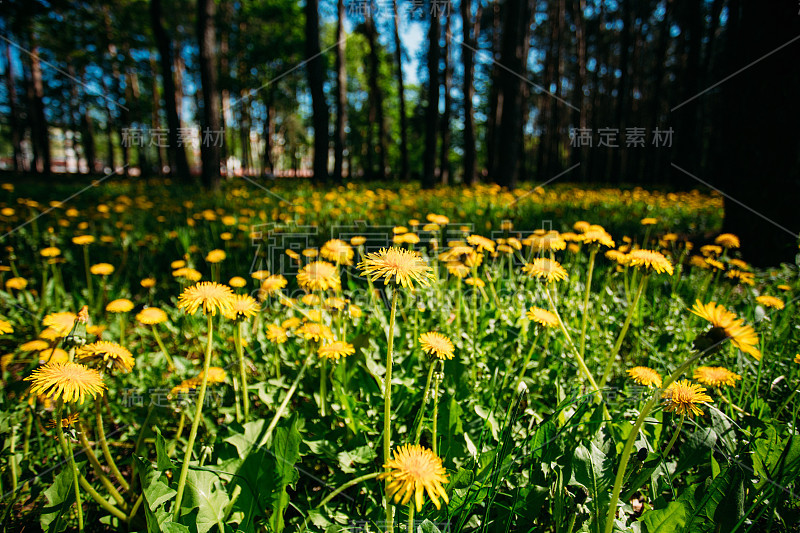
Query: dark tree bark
point(687, 147)
point(178, 164)
point(432, 109)
point(471, 30)
point(756, 154)
point(267, 133)
point(398, 57)
point(209, 144)
point(444, 153)
point(508, 128)
point(316, 78)
point(579, 117)
point(155, 116)
point(40, 127)
point(340, 136)
point(16, 138)
point(375, 94)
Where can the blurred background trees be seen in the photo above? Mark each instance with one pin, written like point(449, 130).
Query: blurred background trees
point(650, 92)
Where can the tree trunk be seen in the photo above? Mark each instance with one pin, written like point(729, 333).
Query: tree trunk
point(267, 133)
point(155, 116)
point(210, 129)
point(398, 57)
point(375, 94)
point(432, 109)
point(509, 93)
point(471, 30)
point(178, 164)
point(42, 135)
point(340, 136)
point(16, 138)
point(760, 171)
point(444, 153)
point(316, 78)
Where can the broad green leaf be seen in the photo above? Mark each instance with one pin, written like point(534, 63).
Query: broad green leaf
point(593, 469)
point(205, 493)
point(670, 519)
point(60, 497)
point(163, 462)
point(361, 455)
point(286, 447)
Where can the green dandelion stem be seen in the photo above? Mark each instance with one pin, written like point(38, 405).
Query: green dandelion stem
point(67, 451)
point(387, 409)
point(285, 402)
point(581, 363)
point(626, 451)
point(242, 371)
point(198, 414)
point(101, 438)
point(584, 318)
point(674, 437)
point(163, 348)
point(631, 310)
point(418, 433)
point(525, 363)
point(98, 469)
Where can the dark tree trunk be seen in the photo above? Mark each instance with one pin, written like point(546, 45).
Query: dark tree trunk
point(471, 30)
point(13, 119)
point(316, 78)
point(340, 136)
point(688, 143)
point(398, 58)
point(42, 135)
point(375, 94)
point(757, 147)
point(578, 154)
point(444, 153)
point(507, 139)
point(178, 164)
point(210, 128)
point(155, 117)
point(432, 109)
point(111, 161)
point(267, 133)
point(493, 119)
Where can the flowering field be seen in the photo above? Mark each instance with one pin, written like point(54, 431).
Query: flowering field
point(354, 359)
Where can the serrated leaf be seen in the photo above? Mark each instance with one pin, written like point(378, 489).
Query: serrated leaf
point(205, 493)
point(670, 519)
point(60, 497)
point(593, 469)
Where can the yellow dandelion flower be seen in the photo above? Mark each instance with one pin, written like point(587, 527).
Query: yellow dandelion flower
point(270, 285)
point(358, 240)
point(187, 273)
point(335, 303)
point(50, 252)
point(121, 305)
point(475, 282)
point(797, 358)
point(710, 249)
point(338, 252)
point(17, 284)
point(727, 240)
point(109, 353)
point(649, 221)
point(148, 283)
point(581, 226)
point(319, 275)
point(413, 471)
point(215, 375)
point(276, 334)
point(35, 345)
point(645, 376)
point(770, 301)
point(405, 266)
point(151, 315)
point(740, 334)
point(310, 252)
point(6, 327)
point(69, 382)
point(102, 269)
point(187, 386)
point(175, 265)
point(782, 287)
point(436, 344)
point(355, 311)
point(713, 263)
point(210, 295)
point(291, 323)
point(439, 220)
point(83, 240)
point(596, 236)
point(60, 323)
point(540, 241)
point(216, 256)
point(542, 317)
point(50, 355)
point(237, 282)
point(650, 260)
point(716, 376)
point(336, 349)
point(683, 396)
point(547, 269)
point(66, 421)
point(242, 306)
point(315, 331)
point(481, 243)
